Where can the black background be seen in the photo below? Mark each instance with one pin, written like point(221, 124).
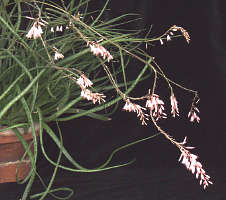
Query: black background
point(156, 174)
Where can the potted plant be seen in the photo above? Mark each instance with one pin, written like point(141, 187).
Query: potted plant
point(60, 62)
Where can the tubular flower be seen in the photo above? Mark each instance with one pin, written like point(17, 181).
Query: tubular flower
point(174, 107)
point(97, 49)
point(94, 97)
point(84, 82)
point(156, 106)
point(168, 38)
point(58, 55)
point(131, 107)
point(193, 114)
point(191, 163)
point(59, 28)
point(35, 31)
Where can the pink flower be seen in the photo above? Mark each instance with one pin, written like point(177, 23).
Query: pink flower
point(191, 163)
point(35, 31)
point(97, 49)
point(174, 107)
point(94, 97)
point(59, 28)
point(58, 55)
point(131, 107)
point(168, 38)
point(84, 82)
point(193, 114)
point(156, 106)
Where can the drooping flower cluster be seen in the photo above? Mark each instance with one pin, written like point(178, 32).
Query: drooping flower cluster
point(91, 96)
point(97, 49)
point(84, 83)
point(193, 114)
point(191, 163)
point(132, 107)
point(35, 31)
point(174, 107)
point(156, 106)
point(57, 55)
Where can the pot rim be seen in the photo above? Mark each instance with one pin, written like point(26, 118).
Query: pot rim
point(10, 137)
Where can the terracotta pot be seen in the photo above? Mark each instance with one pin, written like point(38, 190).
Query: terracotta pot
point(11, 152)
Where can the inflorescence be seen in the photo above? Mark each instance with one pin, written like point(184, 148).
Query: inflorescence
point(154, 104)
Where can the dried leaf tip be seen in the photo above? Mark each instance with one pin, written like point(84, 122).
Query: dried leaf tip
point(183, 31)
